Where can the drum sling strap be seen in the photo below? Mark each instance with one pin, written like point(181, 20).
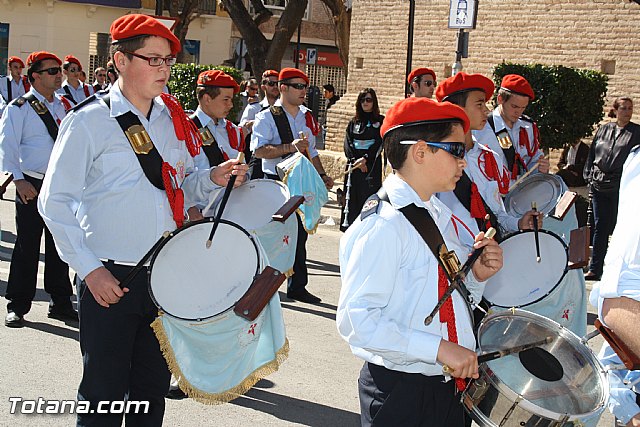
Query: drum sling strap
point(209, 144)
point(509, 152)
point(68, 94)
point(282, 124)
point(42, 111)
point(463, 194)
point(9, 90)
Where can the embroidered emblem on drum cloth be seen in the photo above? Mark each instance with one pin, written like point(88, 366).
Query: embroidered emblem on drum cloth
point(309, 197)
point(285, 240)
point(567, 312)
point(180, 171)
point(251, 333)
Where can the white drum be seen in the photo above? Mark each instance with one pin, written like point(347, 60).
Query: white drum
point(522, 280)
point(252, 204)
point(543, 188)
point(188, 281)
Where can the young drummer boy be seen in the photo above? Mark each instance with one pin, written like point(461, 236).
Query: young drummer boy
point(391, 280)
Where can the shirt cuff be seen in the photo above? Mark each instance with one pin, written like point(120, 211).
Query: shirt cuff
point(84, 264)
point(423, 347)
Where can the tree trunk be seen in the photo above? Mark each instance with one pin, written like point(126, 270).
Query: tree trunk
point(342, 20)
point(257, 43)
point(185, 16)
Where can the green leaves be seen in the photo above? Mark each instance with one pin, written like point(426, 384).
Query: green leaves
point(569, 101)
point(183, 84)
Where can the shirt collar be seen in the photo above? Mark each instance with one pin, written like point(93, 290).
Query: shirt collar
point(401, 194)
point(302, 108)
point(121, 105)
point(202, 116)
point(265, 102)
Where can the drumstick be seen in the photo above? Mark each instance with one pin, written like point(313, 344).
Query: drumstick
point(223, 202)
point(355, 166)
point(459, 277)
point(135, 270)
point(534, 167)
point(483, 358)
point(303, 135)
point(535, 231)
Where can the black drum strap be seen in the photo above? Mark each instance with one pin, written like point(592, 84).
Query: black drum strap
point(282, 123)
point(463, 194)
point(151, 162)
point(9, 90)
point(212, 151)
point(509, 153)
point(44, 114)
point(68, 94)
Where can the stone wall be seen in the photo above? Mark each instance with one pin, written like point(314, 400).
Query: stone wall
point(595, 34)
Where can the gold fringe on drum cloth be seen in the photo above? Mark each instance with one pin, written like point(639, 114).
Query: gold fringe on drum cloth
point(216, 398)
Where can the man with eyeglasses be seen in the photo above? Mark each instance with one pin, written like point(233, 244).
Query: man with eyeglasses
point(28, 129)
point(100, 79)
point(422, 82)
point(14, 84)
point(73, 89)
point(109, 197)
point(391, 279)
point(268, 144)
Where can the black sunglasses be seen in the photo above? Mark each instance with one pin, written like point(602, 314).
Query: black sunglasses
point(51, 71)
point(456, 149)
point(299, 86)
point(429, 83)
point(270, 82)
point(367, 99)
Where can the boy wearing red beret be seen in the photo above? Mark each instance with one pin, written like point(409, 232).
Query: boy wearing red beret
point(524, 150)
point(14, 84)
point(108, 199)
point(73, 89)
point(391, 280)
point(422, 82)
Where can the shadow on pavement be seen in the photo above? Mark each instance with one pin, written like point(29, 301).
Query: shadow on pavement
point(54, 330)
point(296, 410)
point(319, 265)
point(331, 316)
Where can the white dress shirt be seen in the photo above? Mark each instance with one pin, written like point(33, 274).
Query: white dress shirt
point(97, 201)
point(17, 88)
point(219, 132)
point(78, 93)
point(265, 132)
point(488, 188)
point(390, 284)
point(25, 143)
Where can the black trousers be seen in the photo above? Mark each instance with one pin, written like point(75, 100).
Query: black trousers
point(605, 215)
point(300, 277)
point(23, 272)
point(392, 398)
point(121, 355)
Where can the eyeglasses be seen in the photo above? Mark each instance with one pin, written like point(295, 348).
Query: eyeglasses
point(73, 70)
point(51, 71)
point(367, 99)
point(429, 83)
point(456, 149)
point(270, 82)
point(253, 89)
point(299, 86)
point(155, 61)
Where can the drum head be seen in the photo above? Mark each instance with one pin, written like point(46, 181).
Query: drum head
point(252, 204)
point(582, 387)
point(189, 281)
point(543, 188)
point(522, 280)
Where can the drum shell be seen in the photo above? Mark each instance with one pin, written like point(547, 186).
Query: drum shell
point(492, 402)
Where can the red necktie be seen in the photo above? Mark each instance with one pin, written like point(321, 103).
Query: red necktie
point(448, 316)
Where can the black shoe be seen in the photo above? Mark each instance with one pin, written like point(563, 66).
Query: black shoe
point(66, 313)
point(303, 295)
point(592, 276)
point(176, 394)
point(13, 320)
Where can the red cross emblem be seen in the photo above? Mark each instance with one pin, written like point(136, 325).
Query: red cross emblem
point(252, 329)
point(285, 240)
point(565, 315)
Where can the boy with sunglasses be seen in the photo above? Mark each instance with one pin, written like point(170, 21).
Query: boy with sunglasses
point(268, 144)
point(73, 89)
point(391, 280)
point(422, 82)
point(28, 130)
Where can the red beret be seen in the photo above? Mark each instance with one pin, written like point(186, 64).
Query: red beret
point(41, 56)
point(269, 73)
point(70, 59)
point(420, 72)
point(137, 25)
point(13, 59)
point(217, 78)
point(518, 85)
point(418, 111)
point(292, 73)
point(463, 82)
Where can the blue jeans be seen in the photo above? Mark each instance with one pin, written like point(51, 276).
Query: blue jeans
point(605, 214)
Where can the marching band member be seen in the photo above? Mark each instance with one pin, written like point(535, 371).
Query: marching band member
point(391, 279)
point(290, 117)
point(73, 90)
point(13, 85)
point(28, 130)
point(522, 149)
point(108, 198)
point(422, 82)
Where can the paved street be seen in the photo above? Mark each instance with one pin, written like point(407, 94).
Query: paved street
point(316, 386)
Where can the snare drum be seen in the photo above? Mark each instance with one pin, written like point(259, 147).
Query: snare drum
point(188, 281)
point(560, 384)
point(543, 188)
point(522, 281)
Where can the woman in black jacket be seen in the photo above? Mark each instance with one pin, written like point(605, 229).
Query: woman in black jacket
point(363, 146)
point(609, 151)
